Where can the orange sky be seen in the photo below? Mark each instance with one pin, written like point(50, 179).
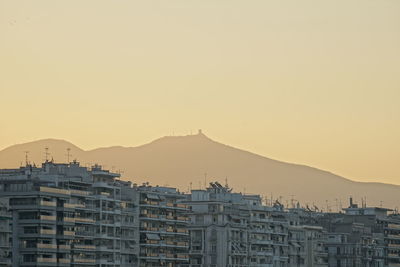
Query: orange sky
point(312, 82)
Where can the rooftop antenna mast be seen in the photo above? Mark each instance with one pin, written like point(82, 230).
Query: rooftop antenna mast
point(292, 201)
point(68, 154)
point(205, 181)
point(26, 158)
point(46, 153)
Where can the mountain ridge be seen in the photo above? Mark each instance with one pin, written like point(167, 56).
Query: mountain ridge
point(184, 160)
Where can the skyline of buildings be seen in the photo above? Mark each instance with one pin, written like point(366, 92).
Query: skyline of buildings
point(68, 215)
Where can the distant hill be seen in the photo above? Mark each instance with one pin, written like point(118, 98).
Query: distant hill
point(183, 160)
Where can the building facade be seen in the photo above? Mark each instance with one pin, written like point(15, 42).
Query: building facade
point(164, 235)
point(68, 215)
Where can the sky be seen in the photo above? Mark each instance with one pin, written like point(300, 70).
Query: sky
point(312, 82)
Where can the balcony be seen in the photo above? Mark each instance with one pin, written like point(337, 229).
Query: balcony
point(262, 242)
point(103, 185)
point(64, 247)
point(46, 260)
point(54, 190)
point(69, 219)
point(182, 256)
point(48, 203)
point(79, 192)
point(64, 261)
point(69, 233)
point(396, 237)
point(47, 218)
point(150, 203)
point(176, 206)
point(182, 231)
point(84, 233)
point(5, 261)
point(69, 205)
point(84, 220)
point(393, 226)
point(106, 248)
point(262, 253)
point(83, 260)
point(85, 247)
point(47, 232)
point(46, 246)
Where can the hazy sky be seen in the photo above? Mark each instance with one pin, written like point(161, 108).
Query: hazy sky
point(312, 82)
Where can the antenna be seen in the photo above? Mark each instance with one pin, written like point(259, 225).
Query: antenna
point(26, 158)
point(68, 154)
point(205, 180)
point(292, 201)
point(46, 153)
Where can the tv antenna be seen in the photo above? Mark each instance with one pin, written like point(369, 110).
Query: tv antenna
point(26, 157)
point(46, 153)
point(68, 154)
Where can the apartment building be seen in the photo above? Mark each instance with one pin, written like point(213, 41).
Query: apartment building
point(68, 215)
point(219, 228)
point(5, 231)
point(164, 235)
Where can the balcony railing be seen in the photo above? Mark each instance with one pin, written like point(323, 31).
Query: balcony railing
point(46, 260)
point(394, 226)
point(83, 260)
point(79, 192)
point(70, 205)
point(84, 246)
point(80, 219)
point(67, 247)
point(63, 260)
point(51, 246)
point(69, 233)
point(48, 203)
point(69, 219)
point(54, 190)
point(47, 218)
point(47, 232)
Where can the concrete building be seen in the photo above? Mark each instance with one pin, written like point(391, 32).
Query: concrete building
point(5, 231)
point(219, 228)
point(164, 235)
point(235, 230)
point(68, 215)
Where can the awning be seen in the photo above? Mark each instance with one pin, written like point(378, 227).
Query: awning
point(152, 196)
point(295, 244)
point(153, 236)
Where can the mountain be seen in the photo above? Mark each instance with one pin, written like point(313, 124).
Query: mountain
point(184, 161)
